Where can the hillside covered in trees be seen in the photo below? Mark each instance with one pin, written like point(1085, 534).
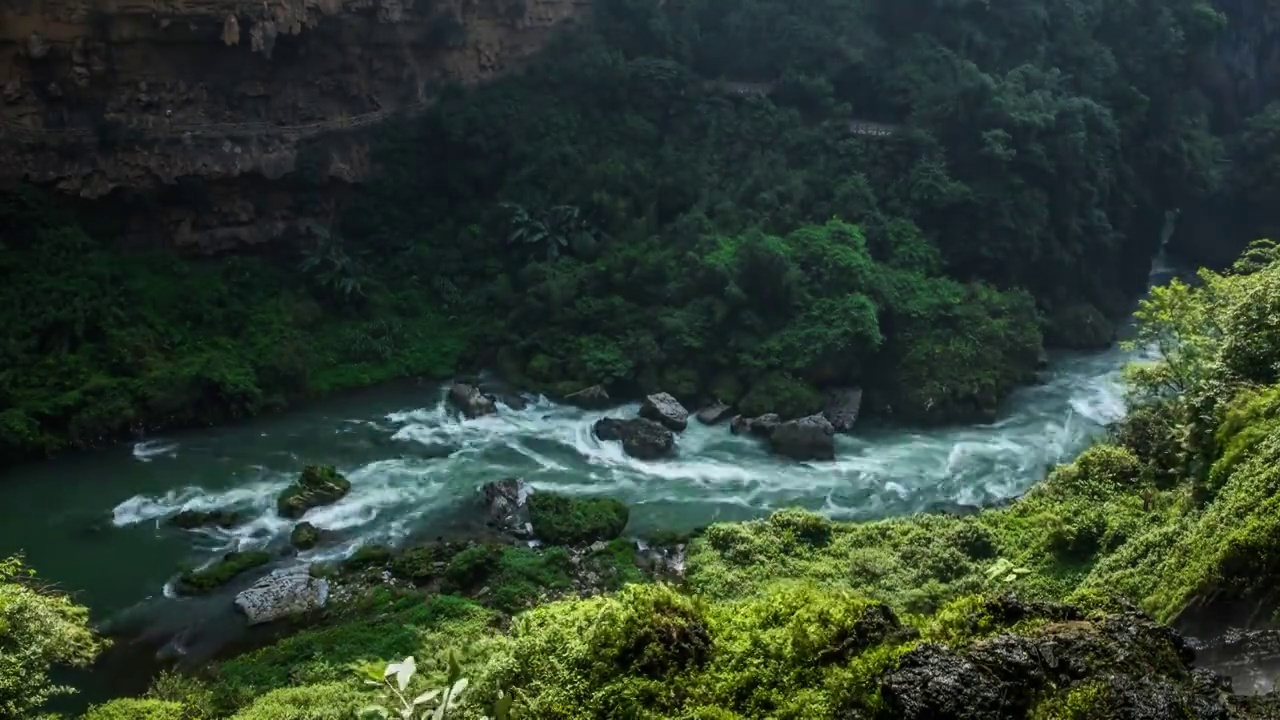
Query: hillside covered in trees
point(674, 196)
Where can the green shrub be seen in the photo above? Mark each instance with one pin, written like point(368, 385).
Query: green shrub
point(327, 701)
point(137, 709)
point(782, 394)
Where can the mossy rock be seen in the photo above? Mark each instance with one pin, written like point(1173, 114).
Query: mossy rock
point(421, 564)
point(304, 536)
point(1079, 326)
point(192, 519)
point(318, 485)
point(564, 520)
point(782, 394)
point(509, 579)
point(367, 556)
point(200, 582)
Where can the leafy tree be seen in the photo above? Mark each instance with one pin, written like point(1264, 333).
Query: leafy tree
point(40, 629)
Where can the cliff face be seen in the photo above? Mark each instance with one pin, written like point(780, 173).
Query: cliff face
point(132, 97)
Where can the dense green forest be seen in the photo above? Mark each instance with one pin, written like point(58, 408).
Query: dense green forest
point(617, 214)
point(1045, 609)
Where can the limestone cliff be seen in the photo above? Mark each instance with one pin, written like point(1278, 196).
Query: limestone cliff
point(133, 97)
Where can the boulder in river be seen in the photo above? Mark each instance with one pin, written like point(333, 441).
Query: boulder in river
point(664, 409)
point(192, 519)
point(641, 438)
point(284, 592)
point(759, 426)
point(841, 408)
point(318, 485)
point(809, 438)
point(470, 400)
point(591, 398)
point(563, 520)
point(199, 582)
point(714, 413)
point(304, 536)
point(506, 504)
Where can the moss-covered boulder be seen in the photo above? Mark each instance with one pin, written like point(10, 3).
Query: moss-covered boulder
point(563, 520)
point(318, 485)
point(199, 582)
point(367, 556)
point(783, 395)
point(304, 536)
point(192, 519)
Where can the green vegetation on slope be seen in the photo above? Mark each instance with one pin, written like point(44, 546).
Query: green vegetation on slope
point(797, 616)
point(99, 342)
point(610, 216)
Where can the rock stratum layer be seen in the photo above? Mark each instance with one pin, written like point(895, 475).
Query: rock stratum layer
point(211, 100)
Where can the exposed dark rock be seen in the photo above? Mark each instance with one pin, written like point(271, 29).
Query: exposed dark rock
point(506, 505)
point(1251, 658)
point(191, 519)
point(1121, 666)
point(318, 485)
point(714, 413)
point(841, 408)
point(759, 426)
point(665, 410)
point(809, 438)
point(470, 400)
point(592, 398)
point(304, 536)
point(640, 438)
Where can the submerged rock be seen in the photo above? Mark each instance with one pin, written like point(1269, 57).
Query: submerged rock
point(809, 438)
point(304, 536)
point(664, 409)
point(592, 398)
point(841, 408)
point(283, 593)
point(714, 413)
point(192, 519)
point(640, 438)
point(318, 485)
point(471, 401)
point(506, 504)
point(759, 426)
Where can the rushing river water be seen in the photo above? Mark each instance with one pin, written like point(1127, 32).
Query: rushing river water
point(94, 523)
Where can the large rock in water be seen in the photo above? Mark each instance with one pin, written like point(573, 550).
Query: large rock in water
point(809, 438)
point(471, 401)
point(841, 408)
point(318, 485)
point(506, 505)
point(759, 426)
point(641, 438)
point(714, 413)
point(664, 409)
point(284, 592)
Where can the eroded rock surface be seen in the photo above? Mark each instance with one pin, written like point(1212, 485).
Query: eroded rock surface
point(284, 592)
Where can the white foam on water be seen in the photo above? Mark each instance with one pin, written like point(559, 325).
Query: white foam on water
point(147, 450)
point(877, 471)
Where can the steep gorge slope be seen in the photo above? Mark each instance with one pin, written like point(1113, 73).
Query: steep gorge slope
point(211, 101)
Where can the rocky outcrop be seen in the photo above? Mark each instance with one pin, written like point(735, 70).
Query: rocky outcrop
point(841, 408)
point(281, 594)
point(192, 519)
point(471, 401)
point(809, 438)
point(304, 536)
point(714, 413)
point(640, 438)
point(665, 410)
point(213, 103)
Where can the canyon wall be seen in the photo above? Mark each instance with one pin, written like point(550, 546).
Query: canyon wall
point(208, 102)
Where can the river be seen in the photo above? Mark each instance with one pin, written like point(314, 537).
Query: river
point(94, 522)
